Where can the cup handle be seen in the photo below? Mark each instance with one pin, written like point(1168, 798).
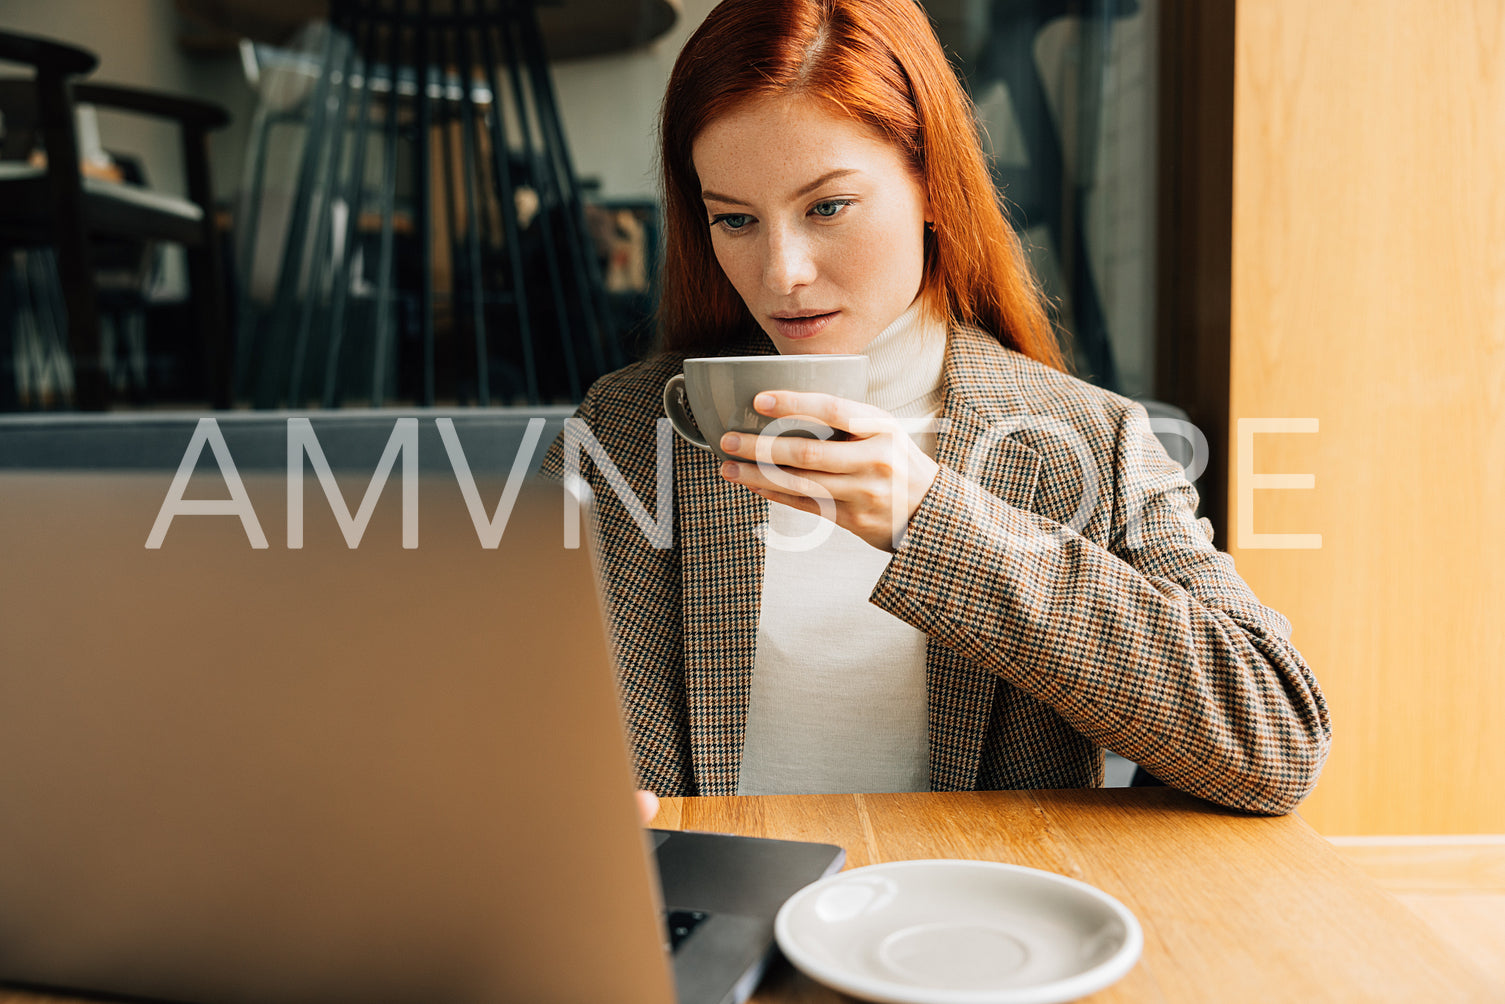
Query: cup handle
point(674, 407)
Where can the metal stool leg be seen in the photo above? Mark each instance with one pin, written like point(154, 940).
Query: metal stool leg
point(352, 194)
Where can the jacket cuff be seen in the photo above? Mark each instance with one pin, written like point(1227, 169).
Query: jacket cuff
point(930, 572)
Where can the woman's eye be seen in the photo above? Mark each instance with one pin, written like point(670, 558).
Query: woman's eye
point(830, 207)
point(731, 221)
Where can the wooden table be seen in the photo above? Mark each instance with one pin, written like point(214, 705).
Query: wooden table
point(1235, 908)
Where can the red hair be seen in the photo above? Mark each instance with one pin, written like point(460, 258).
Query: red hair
point(877, 61)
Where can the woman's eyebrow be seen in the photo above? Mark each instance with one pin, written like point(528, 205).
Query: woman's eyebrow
point(840, 172)
point(716, 197)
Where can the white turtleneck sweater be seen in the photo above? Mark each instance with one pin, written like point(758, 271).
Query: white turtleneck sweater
point(838, 700)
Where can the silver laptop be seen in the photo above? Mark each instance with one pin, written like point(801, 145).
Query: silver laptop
point(236, 773)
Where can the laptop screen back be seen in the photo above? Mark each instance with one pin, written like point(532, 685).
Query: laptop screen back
point(277, 774)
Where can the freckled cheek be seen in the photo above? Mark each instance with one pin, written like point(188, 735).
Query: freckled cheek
point(838, 264)
point(855, 255)
point(899, 253)
point(736, 264)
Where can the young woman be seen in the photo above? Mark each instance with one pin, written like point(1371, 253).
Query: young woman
point(1031, 588)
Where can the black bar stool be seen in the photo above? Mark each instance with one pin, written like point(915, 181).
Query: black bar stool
point(434, 241)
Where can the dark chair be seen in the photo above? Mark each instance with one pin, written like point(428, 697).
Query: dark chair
point(55, 206)
point(431, 243)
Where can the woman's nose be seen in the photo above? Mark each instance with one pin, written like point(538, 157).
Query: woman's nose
point(788, 263)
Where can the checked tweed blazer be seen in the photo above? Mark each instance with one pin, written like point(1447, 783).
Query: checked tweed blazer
point(1073, 602)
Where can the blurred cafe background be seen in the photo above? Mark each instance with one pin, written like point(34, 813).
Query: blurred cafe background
point(1278, 223)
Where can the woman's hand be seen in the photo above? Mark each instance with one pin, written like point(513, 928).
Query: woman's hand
point(647, 805)
point(870, 484)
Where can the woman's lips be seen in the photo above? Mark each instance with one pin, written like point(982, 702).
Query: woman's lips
point(804, 327)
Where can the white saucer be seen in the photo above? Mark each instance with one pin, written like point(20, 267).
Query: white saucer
point(958, 932)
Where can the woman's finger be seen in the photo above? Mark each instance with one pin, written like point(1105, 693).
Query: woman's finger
point(856, 417)
point(771, 478)
point(836, 457)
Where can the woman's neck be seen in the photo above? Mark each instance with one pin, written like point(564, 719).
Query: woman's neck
point(905, 363)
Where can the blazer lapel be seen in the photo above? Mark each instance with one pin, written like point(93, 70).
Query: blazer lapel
point(722, 576)
point(981, 411)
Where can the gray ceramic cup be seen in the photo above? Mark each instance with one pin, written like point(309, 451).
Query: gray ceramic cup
point(719, 390)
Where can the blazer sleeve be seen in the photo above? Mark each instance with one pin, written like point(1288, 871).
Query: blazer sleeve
point(1146, 641)
point(641, 587)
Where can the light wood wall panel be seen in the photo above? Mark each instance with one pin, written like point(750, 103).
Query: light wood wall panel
point(1369, 294)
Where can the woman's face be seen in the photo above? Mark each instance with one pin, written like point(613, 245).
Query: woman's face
point(816, 220)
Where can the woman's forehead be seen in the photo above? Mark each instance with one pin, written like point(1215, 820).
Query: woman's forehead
point(789, 110)
point(782, 144)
